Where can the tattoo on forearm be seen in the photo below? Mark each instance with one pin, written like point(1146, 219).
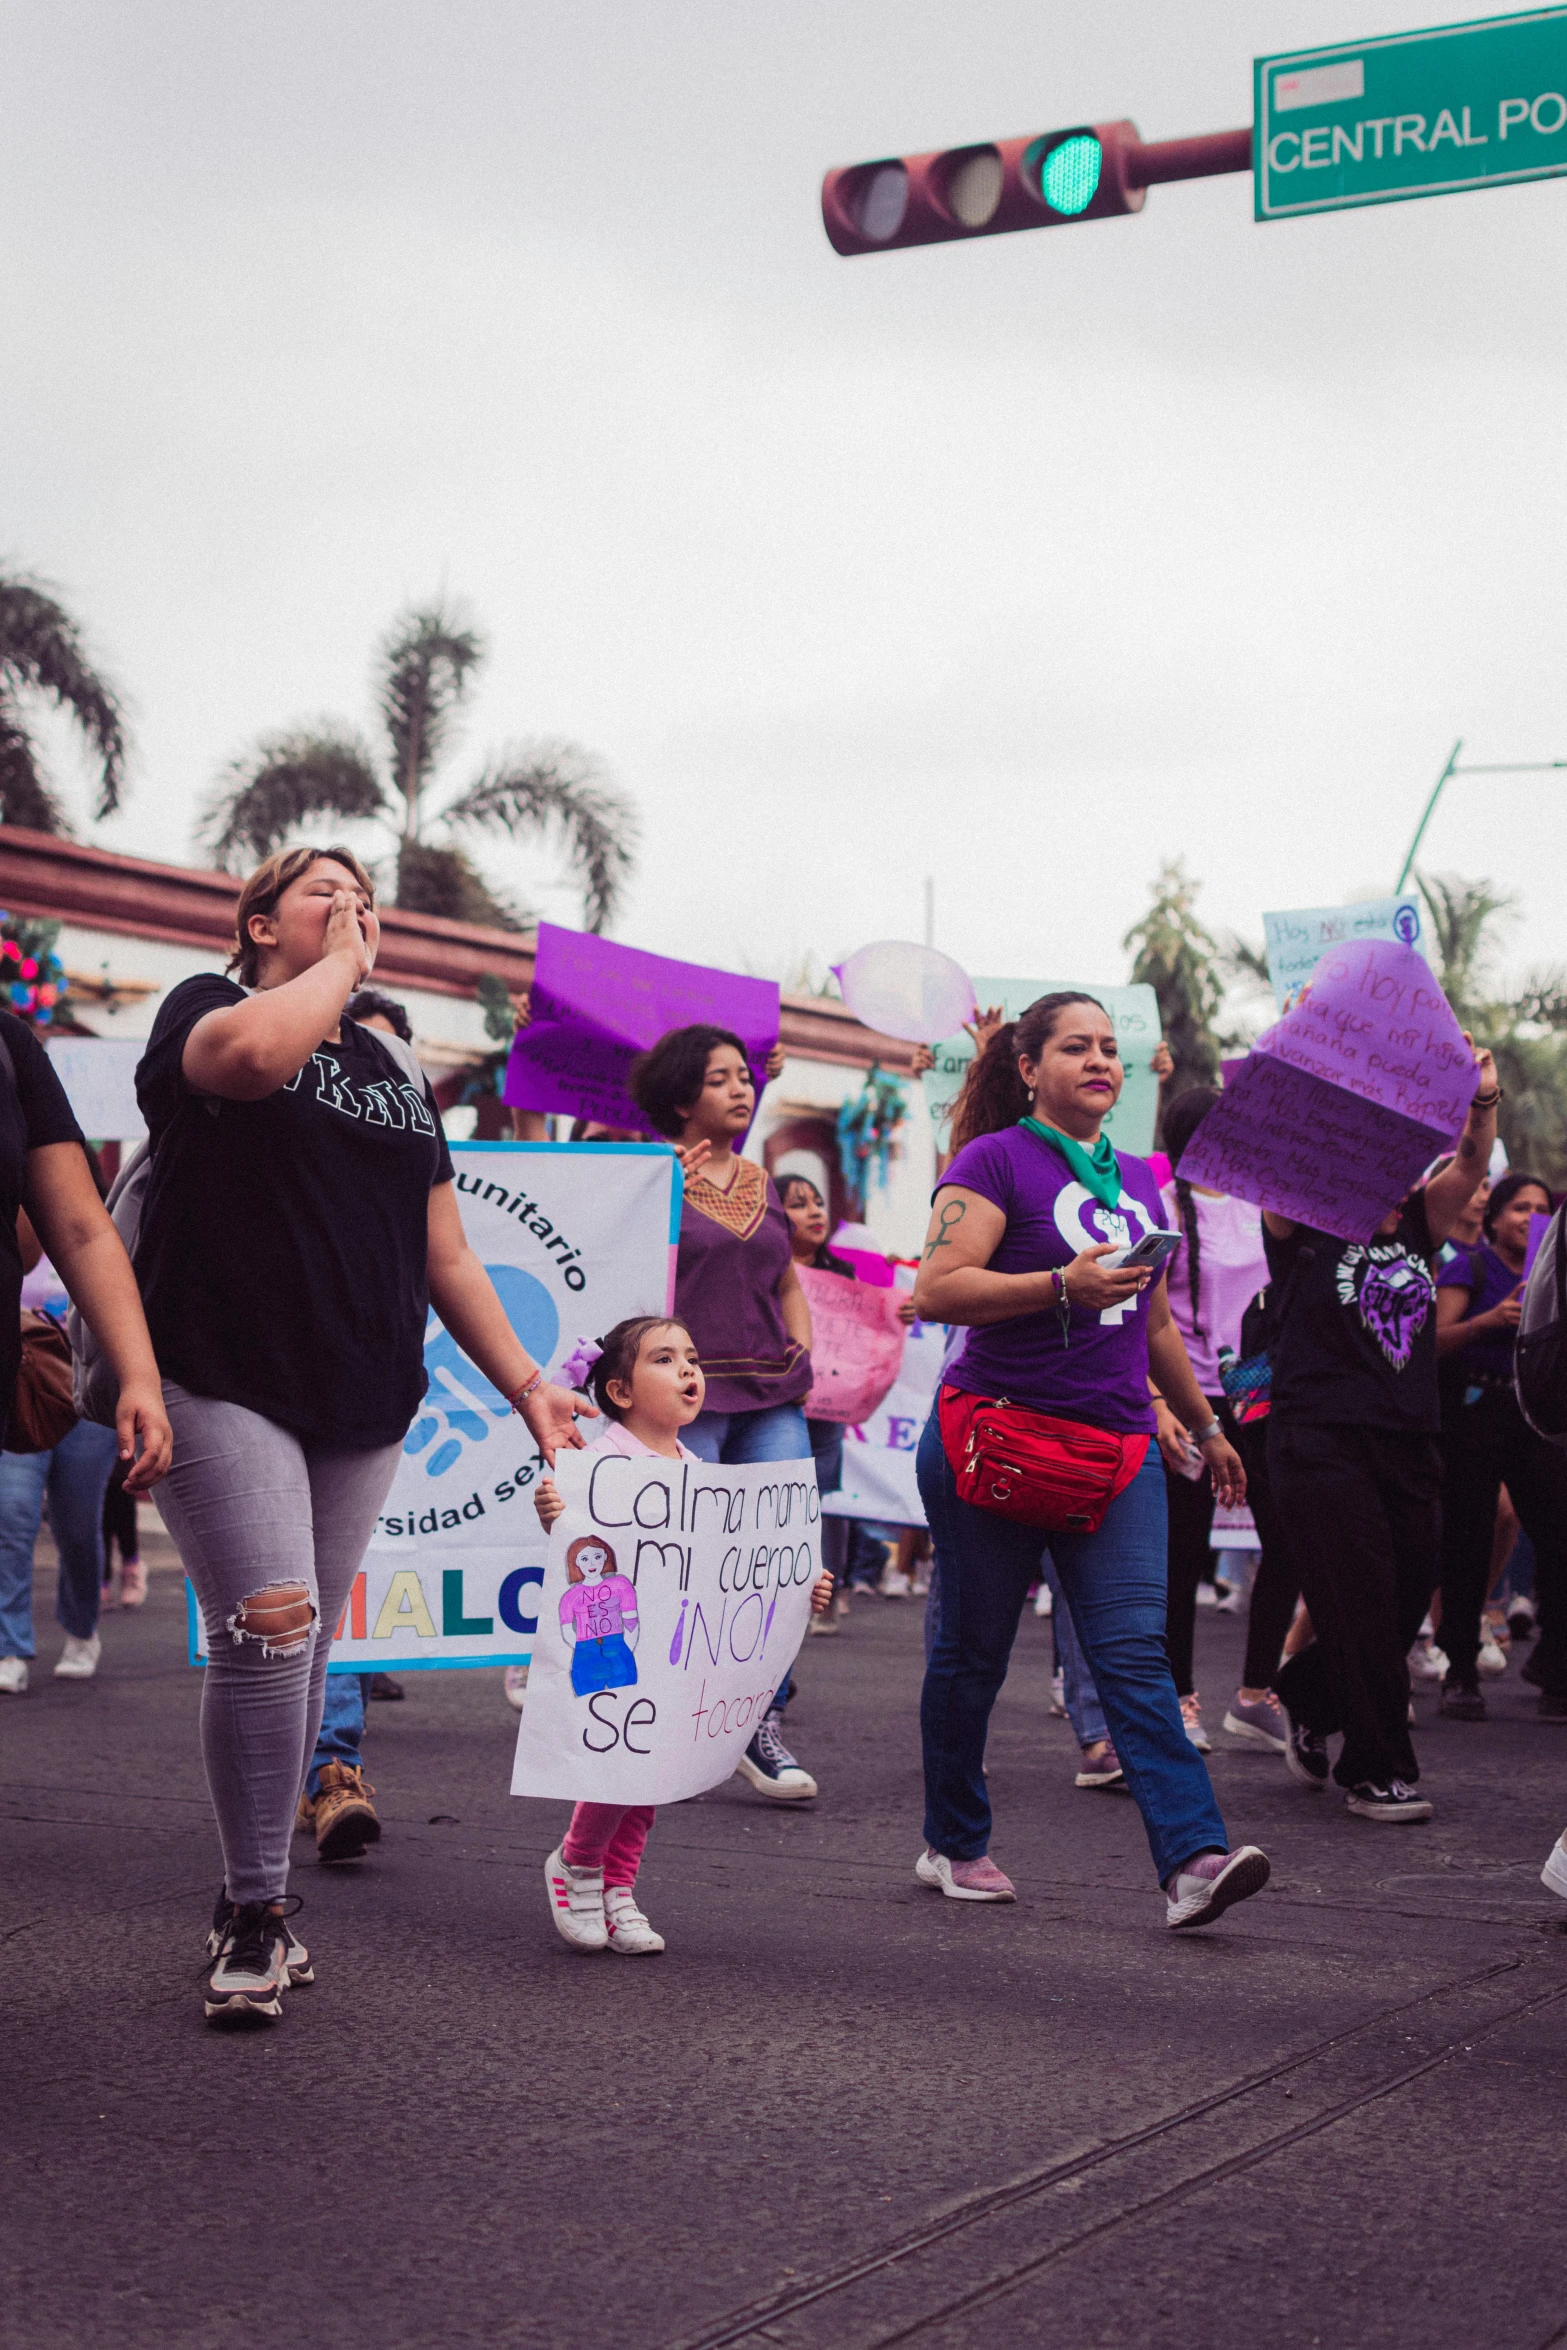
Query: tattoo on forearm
point(953, 1212)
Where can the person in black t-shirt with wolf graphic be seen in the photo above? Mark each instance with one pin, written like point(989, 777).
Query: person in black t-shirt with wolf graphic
point(300, 1219)
point(1356, 1470)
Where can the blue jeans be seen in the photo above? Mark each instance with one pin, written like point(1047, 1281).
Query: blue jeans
point(75, 1475)
point(776, 1433)
point(1084, 1711)
point(1114, 1583)
point(342, 1725)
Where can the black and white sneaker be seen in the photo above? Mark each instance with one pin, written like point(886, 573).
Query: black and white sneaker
point(771, 1769)
point(1306, 1756)
point(1461, 1701)
point(1393, 1802)
point(247, 1984)
point(301, 1967)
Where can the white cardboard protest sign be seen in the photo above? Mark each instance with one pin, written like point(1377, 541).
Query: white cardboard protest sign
point(99, 1077)
point(1298, 941)
point(674, 1601)
point(575, 1236)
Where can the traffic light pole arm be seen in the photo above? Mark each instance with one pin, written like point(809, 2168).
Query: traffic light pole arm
point(1188, 159)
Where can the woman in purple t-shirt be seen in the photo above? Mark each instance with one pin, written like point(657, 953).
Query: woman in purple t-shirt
point(1033, 1201)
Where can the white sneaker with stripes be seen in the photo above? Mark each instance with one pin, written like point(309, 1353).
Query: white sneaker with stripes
point(576, 1902)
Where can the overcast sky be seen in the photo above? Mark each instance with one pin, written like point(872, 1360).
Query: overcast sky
point(1025, 563)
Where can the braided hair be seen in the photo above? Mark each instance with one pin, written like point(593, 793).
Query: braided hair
point(994, 1095)
point(1181, 1121)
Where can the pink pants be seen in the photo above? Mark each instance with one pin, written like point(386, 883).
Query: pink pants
point(609, 1836)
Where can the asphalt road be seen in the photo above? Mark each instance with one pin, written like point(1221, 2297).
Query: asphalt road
point(839, 2111)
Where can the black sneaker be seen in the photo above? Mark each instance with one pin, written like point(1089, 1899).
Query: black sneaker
point(1395, 1801)
point(1306, 1756)
point(771, 1768)
point(382, 1685)
point(1461, 1701)
point(301, 1967)
point(247, 1984)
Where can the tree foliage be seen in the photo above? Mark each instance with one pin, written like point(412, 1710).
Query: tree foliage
point(1180, 960)
point(425, 666)
point(1525, 1027)
point(42, 654)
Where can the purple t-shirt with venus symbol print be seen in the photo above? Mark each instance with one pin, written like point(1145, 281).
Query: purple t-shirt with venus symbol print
point(1101, 1377)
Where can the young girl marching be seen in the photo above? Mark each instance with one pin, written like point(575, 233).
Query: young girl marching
point(647, 1381)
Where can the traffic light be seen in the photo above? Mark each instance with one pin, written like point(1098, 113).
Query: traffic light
point(1046, 180)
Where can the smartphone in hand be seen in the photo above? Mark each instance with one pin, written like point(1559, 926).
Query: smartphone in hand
point(1152, 1253)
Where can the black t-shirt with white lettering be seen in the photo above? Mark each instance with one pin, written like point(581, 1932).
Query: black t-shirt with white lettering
point(1353, 1328)
point(284, 1243)
point(33, 1111)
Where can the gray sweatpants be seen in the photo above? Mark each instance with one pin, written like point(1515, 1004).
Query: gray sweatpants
point(250, 1504)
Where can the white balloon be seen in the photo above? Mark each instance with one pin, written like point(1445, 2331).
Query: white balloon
point(907, 991)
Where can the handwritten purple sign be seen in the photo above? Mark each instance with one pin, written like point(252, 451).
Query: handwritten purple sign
point(596, 1005)
point(1332, 1118)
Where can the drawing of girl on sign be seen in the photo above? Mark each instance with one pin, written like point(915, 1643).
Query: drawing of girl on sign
point(598, 1619)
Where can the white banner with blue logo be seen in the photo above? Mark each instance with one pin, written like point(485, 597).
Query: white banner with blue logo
point(574, 1236)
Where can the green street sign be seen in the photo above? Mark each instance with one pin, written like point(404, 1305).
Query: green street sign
point(1413, 114)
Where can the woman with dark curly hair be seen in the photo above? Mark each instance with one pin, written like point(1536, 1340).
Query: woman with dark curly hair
point(736, 1291)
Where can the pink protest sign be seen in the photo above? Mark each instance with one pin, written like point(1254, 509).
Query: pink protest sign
point(856, 1345)
point(596, 1005)
point(1333, 1117)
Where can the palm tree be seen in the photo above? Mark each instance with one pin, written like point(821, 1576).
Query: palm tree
point(424, 667)
point(1179, 960)
point(41, 652)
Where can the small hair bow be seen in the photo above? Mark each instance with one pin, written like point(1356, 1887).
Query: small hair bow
point(574, 1370)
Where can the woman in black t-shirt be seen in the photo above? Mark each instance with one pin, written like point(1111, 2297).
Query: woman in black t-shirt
point(44, 1170)
point(1356, 1471)
point(300, 1220)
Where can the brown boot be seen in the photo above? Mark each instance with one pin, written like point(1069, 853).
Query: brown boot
point(345, 1816)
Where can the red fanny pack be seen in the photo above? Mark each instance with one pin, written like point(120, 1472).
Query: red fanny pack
point(1059, 1475)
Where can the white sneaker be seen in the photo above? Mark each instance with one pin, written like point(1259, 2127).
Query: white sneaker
point(1044, 1600)
point(1206, 1595)
point(13, 1675)
point(894, 1583)
point(576, 1902)
point(1191, 1715)
point(1491, 1659)
point(1554, 1873)
point(516, 1684)
point(78, 1659)
point(1427, 1662)
point(1058, 1693)
point(629, 1931)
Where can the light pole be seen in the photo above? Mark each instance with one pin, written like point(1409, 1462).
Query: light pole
point(1512, 767)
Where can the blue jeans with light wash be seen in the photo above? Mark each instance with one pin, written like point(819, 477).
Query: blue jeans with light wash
point(75, 1475)
point(342, 1725)
point(1114, 1584)
point(1083, 1709)
point(776, 1433)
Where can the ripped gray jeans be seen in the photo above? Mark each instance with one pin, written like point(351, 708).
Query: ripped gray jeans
point(270, 1529)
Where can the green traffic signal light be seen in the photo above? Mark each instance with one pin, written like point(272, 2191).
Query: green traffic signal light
point(1068, 174)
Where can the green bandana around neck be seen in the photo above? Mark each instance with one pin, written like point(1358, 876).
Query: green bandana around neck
point(1097, 1170)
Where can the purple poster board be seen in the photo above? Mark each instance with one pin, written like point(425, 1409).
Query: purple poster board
point(596, 1005)
point(1345, 1101)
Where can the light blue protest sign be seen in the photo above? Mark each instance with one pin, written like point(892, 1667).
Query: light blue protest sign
point(1297, 942)
point(1135, 1012)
